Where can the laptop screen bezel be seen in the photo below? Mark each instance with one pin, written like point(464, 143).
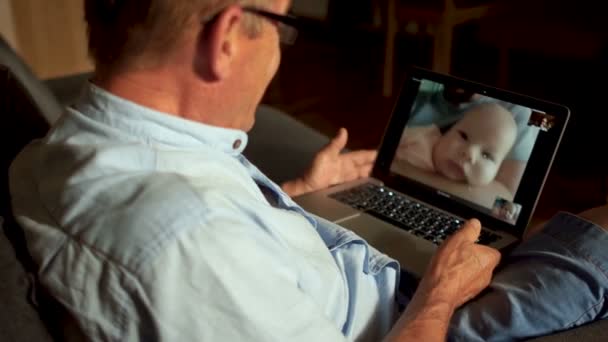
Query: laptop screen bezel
point(532, 181)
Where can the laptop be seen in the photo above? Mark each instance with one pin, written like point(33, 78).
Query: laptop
point(453, 149)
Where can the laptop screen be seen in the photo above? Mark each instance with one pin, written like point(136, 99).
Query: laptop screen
point(470, 147)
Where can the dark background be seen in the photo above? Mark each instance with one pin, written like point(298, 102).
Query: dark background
point(556, 50)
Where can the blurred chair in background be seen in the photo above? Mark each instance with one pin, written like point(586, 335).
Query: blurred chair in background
point(437, 18)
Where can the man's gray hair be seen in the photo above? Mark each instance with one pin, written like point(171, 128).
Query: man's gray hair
point(131, 33)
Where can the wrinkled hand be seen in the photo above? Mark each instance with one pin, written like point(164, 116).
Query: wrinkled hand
point(331, 167)
point(458, 272)
point(461, 268)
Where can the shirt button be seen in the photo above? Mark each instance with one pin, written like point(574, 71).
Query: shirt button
point(237, 144)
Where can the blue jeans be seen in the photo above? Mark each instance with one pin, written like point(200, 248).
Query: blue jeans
point(556, 280)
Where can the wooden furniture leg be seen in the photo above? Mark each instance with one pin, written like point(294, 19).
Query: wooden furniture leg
point(503, 67)
point(390, 14)
point(442, 46)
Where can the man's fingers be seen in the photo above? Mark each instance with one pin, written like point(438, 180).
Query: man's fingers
point(471, 229)
point(359, 162)
point(353, 172)
point(338, 143)
point(365, 171)
point(362, 157)
point(489, 258)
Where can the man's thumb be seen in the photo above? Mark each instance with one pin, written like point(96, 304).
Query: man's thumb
point(471, 229)
point(338, 143)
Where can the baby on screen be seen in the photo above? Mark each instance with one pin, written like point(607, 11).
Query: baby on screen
point(471, 151)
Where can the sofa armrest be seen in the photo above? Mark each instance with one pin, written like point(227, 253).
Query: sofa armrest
point(595, 331)
point(19, 319)
point(67, 89)
point(280, 146)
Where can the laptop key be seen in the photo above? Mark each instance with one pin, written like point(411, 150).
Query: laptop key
point(414, 217)
point(487, 237)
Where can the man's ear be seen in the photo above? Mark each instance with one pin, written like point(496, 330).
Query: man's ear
point(218, 45)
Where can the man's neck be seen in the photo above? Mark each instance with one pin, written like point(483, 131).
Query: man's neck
point(167, 91)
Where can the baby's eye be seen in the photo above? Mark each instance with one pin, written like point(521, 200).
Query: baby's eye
point(487, 156)
point(463, 135)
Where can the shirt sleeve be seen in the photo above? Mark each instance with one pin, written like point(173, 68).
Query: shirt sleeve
point(229, 281)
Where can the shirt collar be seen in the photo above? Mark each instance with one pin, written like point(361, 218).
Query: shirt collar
point(157, 127)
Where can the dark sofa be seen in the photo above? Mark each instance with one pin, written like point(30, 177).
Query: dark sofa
point(279, 145)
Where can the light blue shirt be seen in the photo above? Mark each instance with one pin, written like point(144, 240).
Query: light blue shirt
point(149, 226)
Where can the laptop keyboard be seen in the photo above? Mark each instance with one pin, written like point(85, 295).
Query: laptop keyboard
point(410, 215)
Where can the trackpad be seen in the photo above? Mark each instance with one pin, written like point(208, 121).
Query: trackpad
point(412, 252)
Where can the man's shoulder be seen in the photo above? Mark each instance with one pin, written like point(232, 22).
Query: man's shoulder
point(118, 201)
point(146, 213)
point(135, 216)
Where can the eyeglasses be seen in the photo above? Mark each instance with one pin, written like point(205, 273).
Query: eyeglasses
point(286, 24)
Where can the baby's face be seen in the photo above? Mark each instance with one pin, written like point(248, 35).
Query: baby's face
point(474, 148)
point(508, 211)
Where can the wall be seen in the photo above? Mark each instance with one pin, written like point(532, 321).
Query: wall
point(7, 25)
point(49, 34)
point(316, 9)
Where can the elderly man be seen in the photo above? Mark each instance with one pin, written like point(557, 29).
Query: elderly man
point(149, 224)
